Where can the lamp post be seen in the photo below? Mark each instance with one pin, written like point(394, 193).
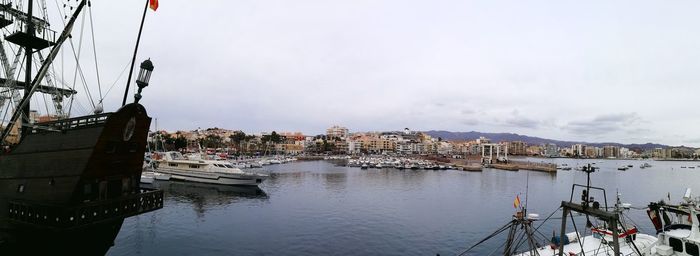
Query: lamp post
point(143, 78)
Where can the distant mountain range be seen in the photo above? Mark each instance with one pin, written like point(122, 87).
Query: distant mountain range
point(496, 137)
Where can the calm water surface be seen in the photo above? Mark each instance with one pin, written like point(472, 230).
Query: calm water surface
point(314, 208)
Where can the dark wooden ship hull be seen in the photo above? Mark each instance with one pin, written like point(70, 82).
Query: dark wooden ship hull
point(76, 179)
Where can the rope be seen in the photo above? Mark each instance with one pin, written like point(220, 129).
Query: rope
point(94, 51)
point(578, 237)
point(498, 231)
point(77, 64)
point(118, 77)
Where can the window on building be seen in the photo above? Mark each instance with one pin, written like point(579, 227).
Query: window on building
point(676, 244)
point(692, 249)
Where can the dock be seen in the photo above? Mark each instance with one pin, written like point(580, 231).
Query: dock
point(522, 165)
point(471, 167)
point(310, 158)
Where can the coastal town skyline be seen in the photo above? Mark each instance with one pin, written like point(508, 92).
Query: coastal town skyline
point(338, 140)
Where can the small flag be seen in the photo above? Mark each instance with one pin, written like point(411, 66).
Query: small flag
point(153, 4)
point(516, 202)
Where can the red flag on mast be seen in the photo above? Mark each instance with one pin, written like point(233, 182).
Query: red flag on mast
point(153, 4)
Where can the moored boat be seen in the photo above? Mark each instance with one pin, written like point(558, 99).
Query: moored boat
point(676, 225)
point(205, 171)
point(607, 231)
point(147, 177)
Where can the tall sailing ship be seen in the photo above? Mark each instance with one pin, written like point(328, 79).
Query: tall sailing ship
point(66, 181)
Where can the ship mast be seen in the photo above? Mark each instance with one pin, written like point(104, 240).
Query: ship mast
point(28, 70)
point(30, 42)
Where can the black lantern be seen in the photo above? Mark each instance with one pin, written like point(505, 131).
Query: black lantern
point(144, 77)
point(145, 73)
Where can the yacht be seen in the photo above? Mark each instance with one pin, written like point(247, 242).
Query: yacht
point(205, 171)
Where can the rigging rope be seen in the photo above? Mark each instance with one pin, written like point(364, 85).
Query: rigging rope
point(94, 51)
point(498, 231)
point(578, 237)
point(118, 77)
point(77, 64)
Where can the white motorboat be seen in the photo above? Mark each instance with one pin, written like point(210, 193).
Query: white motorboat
point(206, 171)
point(147, 177)
point(161, 176)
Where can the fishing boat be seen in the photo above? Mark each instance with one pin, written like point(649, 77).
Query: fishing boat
point(607, 231)
point(205, 171)
point(676, 225)
point(69, 181)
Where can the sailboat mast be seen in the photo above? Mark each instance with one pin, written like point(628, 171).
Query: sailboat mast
point(28, 71)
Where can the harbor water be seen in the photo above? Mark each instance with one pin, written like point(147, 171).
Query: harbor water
point(318, 208)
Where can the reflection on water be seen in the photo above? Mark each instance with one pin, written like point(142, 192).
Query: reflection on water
point(205, 196)
point(317, 208)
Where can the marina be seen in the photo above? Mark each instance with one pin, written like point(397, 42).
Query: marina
point(349, 128)
point(339, 207)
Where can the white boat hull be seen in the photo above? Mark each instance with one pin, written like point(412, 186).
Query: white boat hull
point(161, 176)
point(146, 179)
point(215, 178)
point(593, 246)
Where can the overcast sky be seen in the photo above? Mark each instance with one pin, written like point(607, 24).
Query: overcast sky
point(598, 71)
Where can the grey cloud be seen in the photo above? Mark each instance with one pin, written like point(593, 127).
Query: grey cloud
point(618, 118)
point(607, 123)
point(470, 121)
point(467, 112)
point(522, 122)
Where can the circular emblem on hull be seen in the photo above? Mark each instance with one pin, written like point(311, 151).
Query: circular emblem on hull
point(129, 129)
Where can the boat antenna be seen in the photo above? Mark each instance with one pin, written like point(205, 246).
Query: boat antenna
point(527, 188)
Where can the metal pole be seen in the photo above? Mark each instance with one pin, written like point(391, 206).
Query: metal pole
point(136, 49)
point(616, 243)
point(565, 211)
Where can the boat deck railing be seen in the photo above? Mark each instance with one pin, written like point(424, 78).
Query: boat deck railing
point(71, 123)
point(67, 217)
